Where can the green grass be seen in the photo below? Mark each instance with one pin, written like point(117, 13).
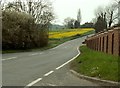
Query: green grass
point(96, 64)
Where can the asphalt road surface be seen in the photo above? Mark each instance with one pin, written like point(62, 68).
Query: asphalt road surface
point(43, 68)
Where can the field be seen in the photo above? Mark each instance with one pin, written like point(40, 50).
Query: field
point(68, 33)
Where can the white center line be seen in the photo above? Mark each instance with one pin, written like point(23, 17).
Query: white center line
point(34, 82)
point(40, 53)
point(9, 58)
point(69, 60)
point(33, 54)
point(50, 72)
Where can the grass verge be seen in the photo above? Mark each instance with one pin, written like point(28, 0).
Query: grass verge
point(96, 64)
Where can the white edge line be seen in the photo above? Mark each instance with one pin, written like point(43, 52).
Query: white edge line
point(34, 82)
point(9, 58)
point(69, 60)
point(50, 72)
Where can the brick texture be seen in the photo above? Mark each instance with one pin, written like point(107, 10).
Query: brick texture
point(108, 42)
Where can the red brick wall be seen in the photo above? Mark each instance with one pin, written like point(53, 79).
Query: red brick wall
point(108, 42)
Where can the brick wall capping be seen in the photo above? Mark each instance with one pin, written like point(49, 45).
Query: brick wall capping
point(99, 34)
point(102, 33)
point(106, 32)
point(117, 29)
point(110, 30)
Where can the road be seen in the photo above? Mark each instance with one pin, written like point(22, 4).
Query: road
point(43, 68)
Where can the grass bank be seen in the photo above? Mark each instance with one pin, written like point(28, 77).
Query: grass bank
point(96, 64)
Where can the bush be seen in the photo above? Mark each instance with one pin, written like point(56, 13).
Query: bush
point(19, 31)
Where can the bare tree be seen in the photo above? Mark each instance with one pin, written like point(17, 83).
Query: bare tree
point(109, 13)
point(69, 22)
point(41, 10)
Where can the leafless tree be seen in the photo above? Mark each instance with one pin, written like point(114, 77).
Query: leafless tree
point(41, 10)
point(69, 22)
point(110, 13)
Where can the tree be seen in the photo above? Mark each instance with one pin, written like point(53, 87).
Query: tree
point(100, 25)
point(73, 23)
point(110, 12)
point(69, 22)
point(16, 27)
point(25, 24)
point(78, 21)
point(79, 16)
point(77, 24)
point(41, 10)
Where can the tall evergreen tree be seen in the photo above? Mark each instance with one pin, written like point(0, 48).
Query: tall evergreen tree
point(79, 17)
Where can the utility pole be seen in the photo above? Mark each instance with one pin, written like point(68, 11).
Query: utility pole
point(119, 12)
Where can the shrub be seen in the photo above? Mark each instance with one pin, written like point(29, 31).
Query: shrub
point(20, 32)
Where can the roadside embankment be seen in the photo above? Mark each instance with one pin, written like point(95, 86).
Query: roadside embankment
point(96, 64)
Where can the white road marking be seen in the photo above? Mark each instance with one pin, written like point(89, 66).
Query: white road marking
point(33, 54)
point(69, 60)
point(9, 58)
point(50, 72)
point(40, 53)
point(37, 80)
point(34, 82)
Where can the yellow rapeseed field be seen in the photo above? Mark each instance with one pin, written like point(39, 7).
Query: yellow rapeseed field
point(71, 32)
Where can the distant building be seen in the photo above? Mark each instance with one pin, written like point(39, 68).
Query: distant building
point(87, 25)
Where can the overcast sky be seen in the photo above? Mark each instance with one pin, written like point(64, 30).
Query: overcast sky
point(69, 8)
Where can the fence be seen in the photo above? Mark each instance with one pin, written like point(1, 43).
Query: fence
point(108, 42)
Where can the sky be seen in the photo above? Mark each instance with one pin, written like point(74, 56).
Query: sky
point(69, 8)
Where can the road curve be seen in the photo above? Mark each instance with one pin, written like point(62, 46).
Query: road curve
point(42, 68)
